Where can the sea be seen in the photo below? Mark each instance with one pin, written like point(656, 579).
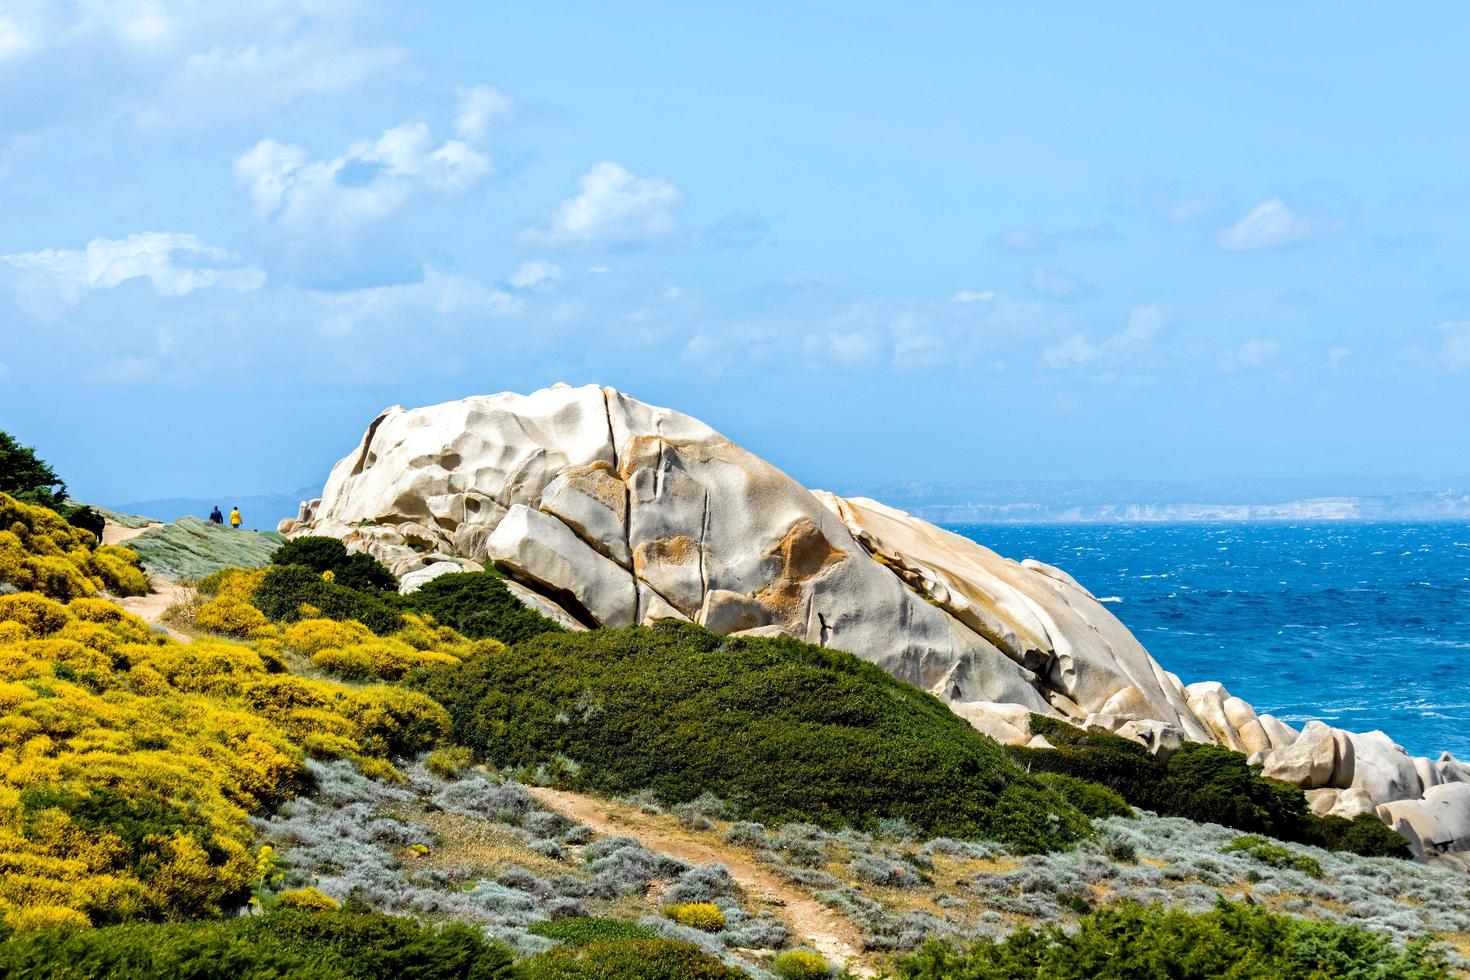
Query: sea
point(1361, 625)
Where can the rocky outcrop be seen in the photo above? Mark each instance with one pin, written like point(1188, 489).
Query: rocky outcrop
point(604, 511)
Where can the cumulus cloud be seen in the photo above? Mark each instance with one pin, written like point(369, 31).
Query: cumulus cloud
point(478, 109)
point(1077, 350)
point(536, 274)
point(174, 264)
point(372, 179)
point(171, 61)
point(1270, 224)
point(614, 207)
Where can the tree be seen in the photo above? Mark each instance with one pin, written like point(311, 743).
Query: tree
point(26, 477)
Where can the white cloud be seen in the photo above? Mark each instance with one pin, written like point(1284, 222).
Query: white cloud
point(1253, 353)
point(437, 293)
point(16, 41)
point(275, 73)
point(372, 179)
point(849, 348)
point(1270, 224)
point(1054, 284)
point(179, 61)
point(1337, 355)
point(1455, 354)
point(672, 292)
point(478, 108)
point(971, 296)
point(615, 207)
point(175, 264)
point(1077, 350)
point(1030, 239)
point(536, 274)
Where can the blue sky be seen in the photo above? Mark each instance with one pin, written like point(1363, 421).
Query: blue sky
point(869, 241)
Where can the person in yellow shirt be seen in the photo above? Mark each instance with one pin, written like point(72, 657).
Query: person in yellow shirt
point(235, 519)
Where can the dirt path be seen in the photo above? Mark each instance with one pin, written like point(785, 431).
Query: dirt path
point(164, 592)
point(820, 927)
point(117, 534)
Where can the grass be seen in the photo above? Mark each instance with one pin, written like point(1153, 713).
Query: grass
point(191, 549)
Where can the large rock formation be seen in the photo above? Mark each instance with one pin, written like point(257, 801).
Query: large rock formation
point(605, 511)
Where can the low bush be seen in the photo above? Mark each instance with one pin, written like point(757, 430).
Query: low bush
point(1093, 799)
point(705, 916)
point(479, 605)
point(288, 593)
point(449, 762)
point(1274, 854)
point(1127, 941)
point(330, 945)
point(1199, 782)
point(307, 900)
point(801, 964)
point(627, 959)
point(353, 570)
point(1364, 834)
point(586, 929)
point(779, 729)
point(85, 517)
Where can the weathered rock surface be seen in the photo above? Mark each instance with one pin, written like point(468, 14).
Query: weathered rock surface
point(605, 511)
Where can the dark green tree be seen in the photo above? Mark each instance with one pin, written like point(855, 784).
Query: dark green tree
point(26, 476)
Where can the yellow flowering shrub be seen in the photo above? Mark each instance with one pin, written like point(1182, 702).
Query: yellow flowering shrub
point(307, 900)
point(130, 763)
point(41, 552)
point(232, 617)
point(348, 649)
point(697, 915)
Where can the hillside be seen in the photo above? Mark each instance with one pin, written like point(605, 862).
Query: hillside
point(445, 777)
point(602, 511)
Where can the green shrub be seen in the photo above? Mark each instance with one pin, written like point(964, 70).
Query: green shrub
point(449, 762)
point(479, 605)
point(1202, 783)
point(801, 964)
point(321, 945)
point(1275, 855)
point(627, 959)
point(321, 554)
point(1093, 799)
point(84, 517)
point(1128, 941)
point(1364, 834)
point(582, 930)
point(366, 573)
point(286, 588)
point(781, 730)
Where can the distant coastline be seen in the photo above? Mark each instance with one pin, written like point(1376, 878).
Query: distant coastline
point(1140, 503)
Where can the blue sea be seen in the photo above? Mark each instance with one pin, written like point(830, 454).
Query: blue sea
point(1363, 626)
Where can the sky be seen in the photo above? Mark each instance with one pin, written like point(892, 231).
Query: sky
point(869, 241)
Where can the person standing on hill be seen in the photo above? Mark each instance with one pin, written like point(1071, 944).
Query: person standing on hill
point(215, 517)
point(235, 517)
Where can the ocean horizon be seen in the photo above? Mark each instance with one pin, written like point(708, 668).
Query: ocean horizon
point(1362, 625)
